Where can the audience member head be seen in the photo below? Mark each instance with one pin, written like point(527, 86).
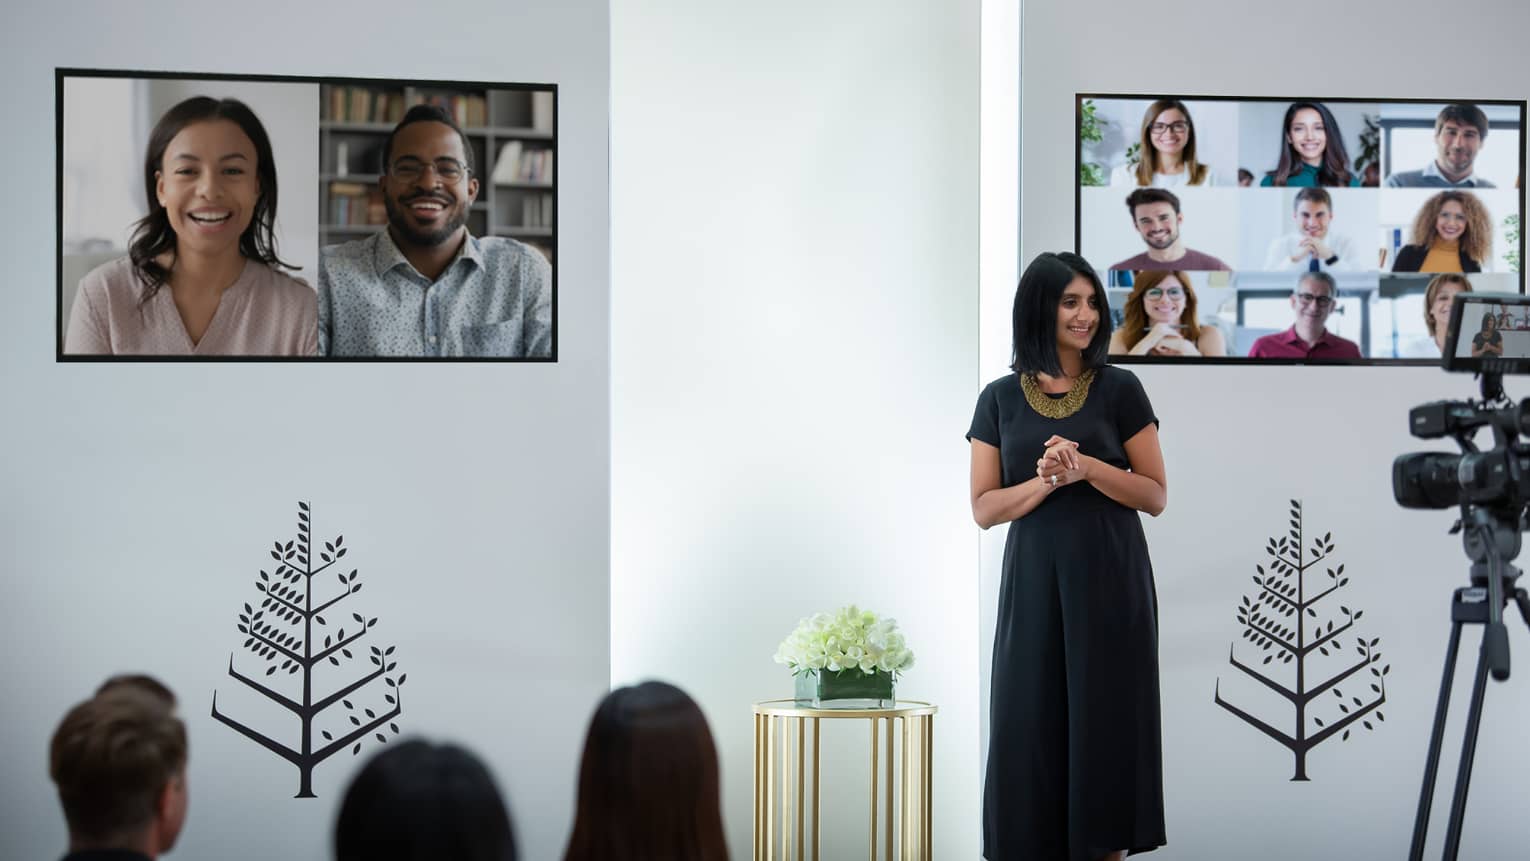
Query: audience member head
point(648, 783)
point(1160, 296)
point(1438, 295)
point(119, 761)
point(1168, 137)
point(1459, 132)
point(1455, 216)
point(418, 801)
point(1310, 136)
point(1050, 283)
point(205, 157)
point(139, 682)
point(1245, 177)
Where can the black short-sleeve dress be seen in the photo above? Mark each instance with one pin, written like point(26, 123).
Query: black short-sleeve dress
point(1075, 765)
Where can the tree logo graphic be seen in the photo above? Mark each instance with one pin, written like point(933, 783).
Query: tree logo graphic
point(1306, 649)
point(283, 628)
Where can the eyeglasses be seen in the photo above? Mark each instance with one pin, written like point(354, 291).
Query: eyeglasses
point(1306, 299)
point(449, 170)
point(1156, 293)
point(1178, 128)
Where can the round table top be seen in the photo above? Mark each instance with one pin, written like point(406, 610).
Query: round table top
point(790, 708)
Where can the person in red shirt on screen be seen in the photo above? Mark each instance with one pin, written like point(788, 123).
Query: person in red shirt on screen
point(1314, 299)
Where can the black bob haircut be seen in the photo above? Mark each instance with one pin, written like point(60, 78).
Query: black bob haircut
point(426, 114)
point(419, 801)
point(153, 236)
point(1035, 315)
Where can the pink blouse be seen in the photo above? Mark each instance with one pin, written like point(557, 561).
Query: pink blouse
point(263, 313)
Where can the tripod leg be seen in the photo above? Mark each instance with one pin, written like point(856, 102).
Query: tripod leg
point(1523, 600)
point(1436, 737)
point(1468, 753)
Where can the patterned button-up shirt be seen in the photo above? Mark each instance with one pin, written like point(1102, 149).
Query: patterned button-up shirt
point(493, 300)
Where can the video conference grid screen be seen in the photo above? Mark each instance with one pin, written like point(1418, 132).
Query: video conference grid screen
point(414, 220)
point(1332, 230)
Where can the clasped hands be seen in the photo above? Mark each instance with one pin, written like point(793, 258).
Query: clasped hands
point(1061, 463)
point(1311, 247)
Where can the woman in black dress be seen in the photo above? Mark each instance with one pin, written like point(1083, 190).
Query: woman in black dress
point(1065, 450)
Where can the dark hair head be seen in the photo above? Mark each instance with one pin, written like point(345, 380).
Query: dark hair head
point(648, 783)
point(1489, 321)
point(1462, 113)
point(1322, 278)
point(139, 682)
point(418, 801)
point(426, 114)
point(1035, 314)
point(1245, 173)
point(1335, 167)
point(1432, 292)
point(1134, 318)
point(1150, 195)
point(111, 758)
point(153, 235)
point(1195, 172)
point(1313, 195)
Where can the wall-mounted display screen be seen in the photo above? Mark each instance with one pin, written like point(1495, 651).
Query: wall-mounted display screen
point(274, 217)
point(1296, 230)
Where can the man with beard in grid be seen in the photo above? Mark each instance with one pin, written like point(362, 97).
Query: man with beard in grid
point(426, 287)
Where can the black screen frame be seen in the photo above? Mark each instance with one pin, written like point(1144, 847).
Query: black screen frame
point(1522, 105)
point(61, 73)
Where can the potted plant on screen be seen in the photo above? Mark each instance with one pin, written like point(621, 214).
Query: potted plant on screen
point(850, 658)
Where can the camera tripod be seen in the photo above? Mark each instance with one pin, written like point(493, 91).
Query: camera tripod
point(1492, 538)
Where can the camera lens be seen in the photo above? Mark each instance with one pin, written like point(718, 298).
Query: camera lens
point(1426, 479)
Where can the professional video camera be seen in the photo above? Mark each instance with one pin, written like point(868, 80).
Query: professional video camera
point(1499, 477)
point(1492, 488)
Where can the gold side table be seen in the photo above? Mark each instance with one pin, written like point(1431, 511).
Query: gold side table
point(781, 766)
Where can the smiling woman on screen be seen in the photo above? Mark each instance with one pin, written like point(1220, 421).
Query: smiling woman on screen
point(1451, 233)
point(202, 275)
point(1311, 150)
point(1159, 320)
point(1167, 150)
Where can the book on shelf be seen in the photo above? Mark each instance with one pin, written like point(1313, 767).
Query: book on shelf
point(469, 110)
point(353, 203)
point(542, 110)
point(537, 211)
point(518, 164)
point(364, 105)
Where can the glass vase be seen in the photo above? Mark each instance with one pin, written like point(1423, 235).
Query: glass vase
point(844, 689)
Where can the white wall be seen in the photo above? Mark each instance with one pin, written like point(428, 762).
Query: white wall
point(1239, 442)
point(794, 189)
point(139, 498)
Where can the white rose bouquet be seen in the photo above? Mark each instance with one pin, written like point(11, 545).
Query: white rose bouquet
point(849, 639)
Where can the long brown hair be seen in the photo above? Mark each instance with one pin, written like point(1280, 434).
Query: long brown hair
point(1148, 164)
point(1476, 242)
point(648, 782)
point(153, 236)
point(1436, 284)
point(1335, 168)
point(1134, 321)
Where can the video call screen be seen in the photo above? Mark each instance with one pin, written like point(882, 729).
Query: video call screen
point(1291, 230)
point(270, 217)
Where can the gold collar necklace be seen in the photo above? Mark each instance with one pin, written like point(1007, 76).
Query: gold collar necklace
point(1057, 408)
